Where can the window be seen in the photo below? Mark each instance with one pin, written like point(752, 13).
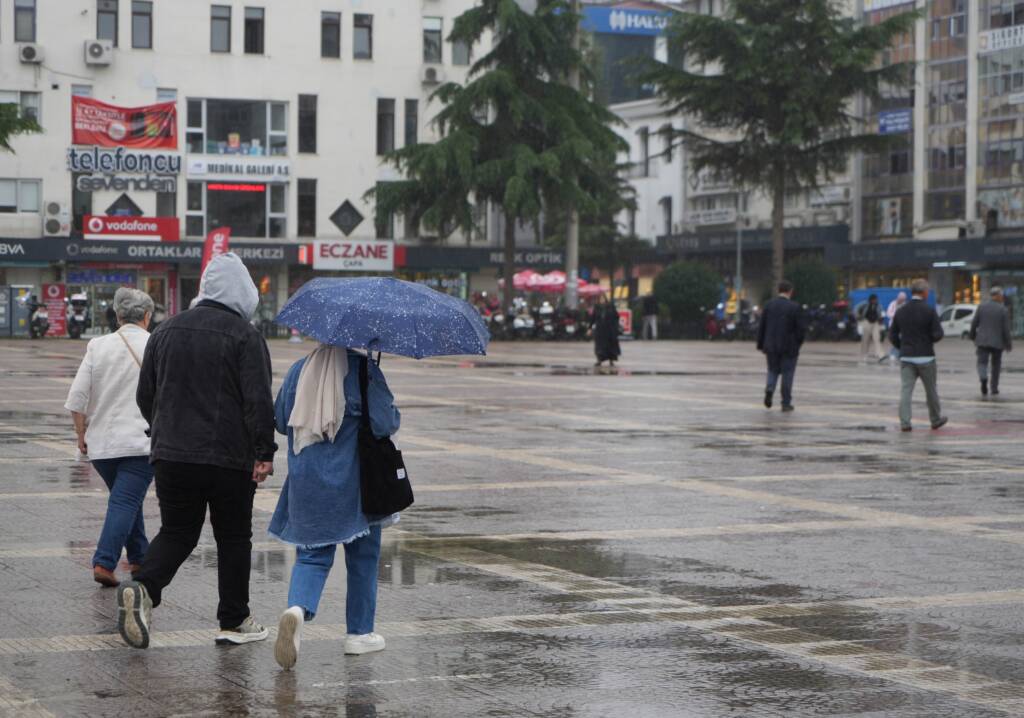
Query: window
point(461, 53)
point(330, 34)
point(307, 123)
point(385, 126)
point(250, 209)
point(412, 122)
point(142, 25)
point(432, 39)
point(220, 28)
point(19, 195)
point(962, 313)
point(362, 37)
point(24, 20)
point(106, 20)
point(166, 204)
point(236, 127)
point(254, 31)
point(81, 202)
point(81, 90)
point(667, 138)
point(307, 208)
point(29, 103)
point(946, 315)
point(645, 151)
point(666, 214)
point(384, 224)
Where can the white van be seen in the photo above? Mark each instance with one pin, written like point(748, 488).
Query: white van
point(956, 320)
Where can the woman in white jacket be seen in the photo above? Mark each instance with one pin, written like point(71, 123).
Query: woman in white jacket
point(112, 433)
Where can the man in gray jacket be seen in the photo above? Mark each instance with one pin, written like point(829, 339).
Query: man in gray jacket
point(990, 331)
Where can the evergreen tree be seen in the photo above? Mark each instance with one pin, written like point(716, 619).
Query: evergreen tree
point(514, 135)
point(775, 105)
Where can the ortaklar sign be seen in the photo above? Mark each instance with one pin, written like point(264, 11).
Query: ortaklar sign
point(366, 255)
point(147, 229)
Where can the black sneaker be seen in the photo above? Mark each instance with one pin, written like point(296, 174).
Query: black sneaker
point(134, 609)
point(984, 388)
point(940, 423)
point(995, 392)
point(767, 399)
point(787, 407)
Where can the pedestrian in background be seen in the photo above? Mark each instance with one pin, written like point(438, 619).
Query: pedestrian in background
point(890, 314)
point(990, 330)
point(319, 408)
point(649, 308)
point(112, 433)
point(914, 331)
point(780, 336)
point(205, 391)
point(871, 330)
point(606, 332)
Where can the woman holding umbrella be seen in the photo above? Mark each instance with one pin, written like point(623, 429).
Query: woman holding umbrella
point(319, 408)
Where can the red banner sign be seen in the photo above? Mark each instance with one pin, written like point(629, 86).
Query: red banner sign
point(146, 229)
point(53, 298)
point(150, 127)
point(216, 243)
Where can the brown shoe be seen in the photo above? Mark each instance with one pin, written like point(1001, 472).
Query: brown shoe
point(133, 567)
point(104, 577)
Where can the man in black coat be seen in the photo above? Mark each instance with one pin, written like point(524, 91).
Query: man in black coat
point(204, 389)
point(914, 331)
point(779, 336)
point(990, 330)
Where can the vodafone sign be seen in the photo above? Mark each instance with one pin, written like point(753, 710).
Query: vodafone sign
point(364, 255)
point(148, 229)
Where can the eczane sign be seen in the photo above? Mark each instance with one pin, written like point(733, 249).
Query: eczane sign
point(366, 255)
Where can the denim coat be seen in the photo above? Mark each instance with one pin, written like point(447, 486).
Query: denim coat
point(320, 502)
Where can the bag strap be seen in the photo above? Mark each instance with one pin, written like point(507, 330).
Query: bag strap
point(130, 350)
point(364, 381)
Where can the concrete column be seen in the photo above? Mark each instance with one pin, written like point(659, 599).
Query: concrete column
point(920, 113)
point(973, 110)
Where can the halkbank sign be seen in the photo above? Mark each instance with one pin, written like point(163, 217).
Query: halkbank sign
point(624, 21)
point(105, 169)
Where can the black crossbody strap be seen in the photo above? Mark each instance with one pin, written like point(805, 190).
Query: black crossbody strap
point(364, 382)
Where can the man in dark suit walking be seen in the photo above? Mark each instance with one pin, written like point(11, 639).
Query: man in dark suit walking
point(914, 331)
point(780, 336)
point(990, 331)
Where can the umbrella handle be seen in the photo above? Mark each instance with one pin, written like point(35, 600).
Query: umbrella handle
point(378, 358)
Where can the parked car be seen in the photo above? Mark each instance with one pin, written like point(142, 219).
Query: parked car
point(956, 320)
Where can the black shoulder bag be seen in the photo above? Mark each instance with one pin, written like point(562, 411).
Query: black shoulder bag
point(384, 484)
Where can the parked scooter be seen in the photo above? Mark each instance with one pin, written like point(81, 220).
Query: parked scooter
point(78, 315)
point(523, 324)
point(39, 318)
point(546, 324)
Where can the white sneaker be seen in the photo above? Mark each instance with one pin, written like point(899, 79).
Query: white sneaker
point(246, 632)
point(289, 636)
point(356, 645)
point(134, 608)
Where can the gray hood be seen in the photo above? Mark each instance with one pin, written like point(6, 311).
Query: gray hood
point(227, 281)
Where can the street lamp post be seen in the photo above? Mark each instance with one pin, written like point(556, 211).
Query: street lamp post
point(738, 280)
point(572, 238)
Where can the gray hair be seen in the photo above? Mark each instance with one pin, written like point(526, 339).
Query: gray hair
point(131, 305)
point(995, 291)
point(919, 286)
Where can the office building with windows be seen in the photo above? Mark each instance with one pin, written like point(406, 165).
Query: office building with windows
point(266, 116)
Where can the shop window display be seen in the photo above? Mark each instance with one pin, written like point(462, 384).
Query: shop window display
point(237, 127)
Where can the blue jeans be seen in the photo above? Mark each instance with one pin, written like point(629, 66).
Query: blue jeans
point(128, 479)
point(312, 565)
point(784, 366)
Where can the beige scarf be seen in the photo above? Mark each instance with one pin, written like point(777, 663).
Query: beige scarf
point(319, 397)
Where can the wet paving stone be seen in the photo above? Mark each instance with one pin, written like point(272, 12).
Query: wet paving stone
point(648, 543)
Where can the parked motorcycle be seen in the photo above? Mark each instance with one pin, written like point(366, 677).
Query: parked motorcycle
point(545, 320)
point(39, 318)
point(78, 315)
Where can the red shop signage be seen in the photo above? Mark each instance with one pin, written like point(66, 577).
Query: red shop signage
point(53, 298)
point(148, 127)
point(146, 229)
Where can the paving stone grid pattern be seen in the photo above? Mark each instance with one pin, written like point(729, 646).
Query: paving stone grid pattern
point(651, 543)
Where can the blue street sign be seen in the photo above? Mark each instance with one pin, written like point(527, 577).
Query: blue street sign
point(895, 122)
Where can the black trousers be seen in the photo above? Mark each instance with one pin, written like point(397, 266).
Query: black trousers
point(996, 355)
point(184, 491)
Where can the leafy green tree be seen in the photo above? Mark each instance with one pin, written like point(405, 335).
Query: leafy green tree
point(12, 124)
point(514, 135)
point(775, 102)
point(814, 282)
point(687, 289)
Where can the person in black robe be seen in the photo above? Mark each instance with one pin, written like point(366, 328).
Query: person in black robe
point(606, 333)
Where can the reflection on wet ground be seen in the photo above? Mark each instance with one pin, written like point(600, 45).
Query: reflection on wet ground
point(652, 543)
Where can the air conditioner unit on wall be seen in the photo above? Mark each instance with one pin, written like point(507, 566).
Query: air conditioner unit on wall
point(975, 229)
point(99, 52)
point(57, 219)
point(30, 53)
point(432, 75)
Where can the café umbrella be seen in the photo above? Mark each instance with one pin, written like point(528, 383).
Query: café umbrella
point(383, 314)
